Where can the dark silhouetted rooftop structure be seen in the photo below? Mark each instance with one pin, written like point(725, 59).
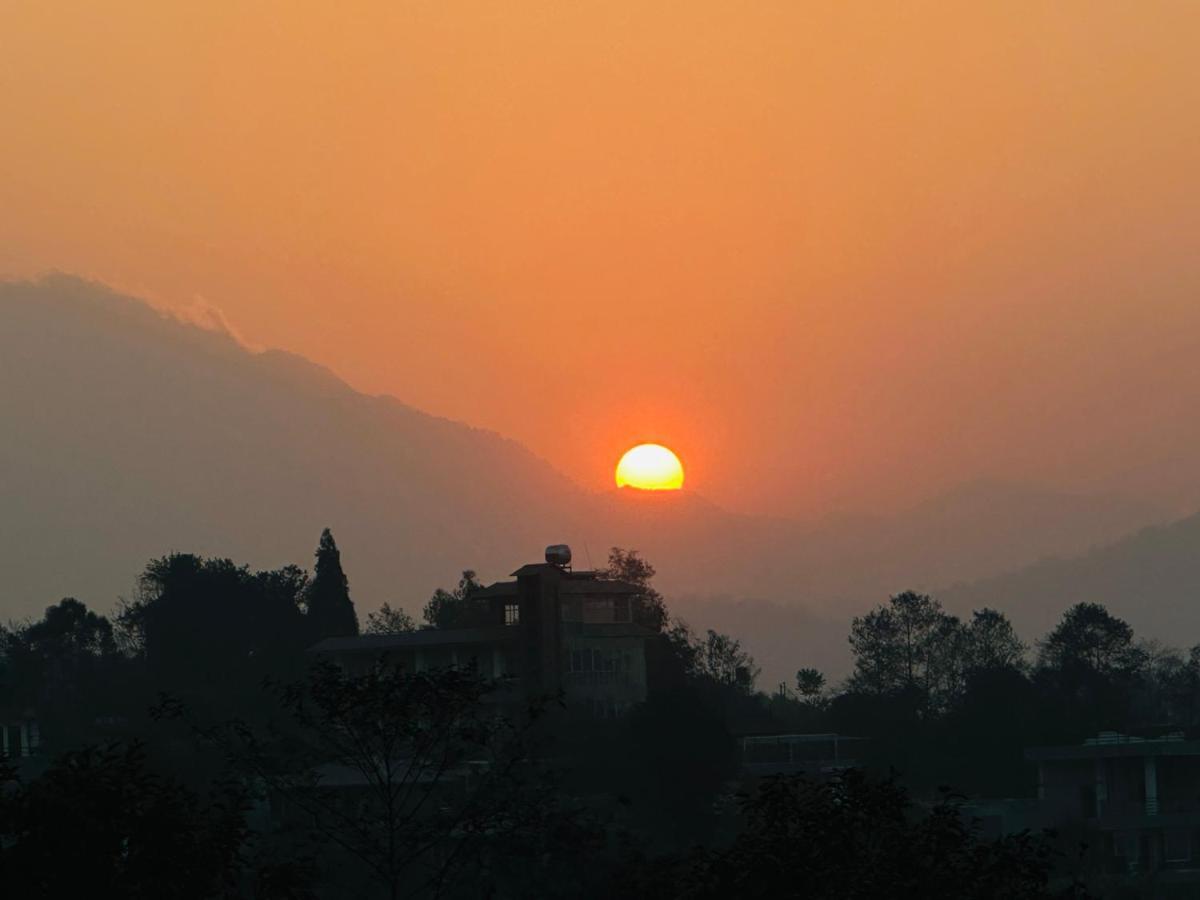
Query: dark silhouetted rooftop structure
point(549, 630)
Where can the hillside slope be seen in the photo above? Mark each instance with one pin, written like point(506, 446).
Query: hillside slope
point(1151, 579)
point(128, 435)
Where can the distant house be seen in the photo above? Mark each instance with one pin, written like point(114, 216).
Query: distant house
point(549, 630)
point(814, 755)
point(1139, 796)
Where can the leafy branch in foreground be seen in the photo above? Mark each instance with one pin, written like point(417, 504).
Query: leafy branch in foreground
point(416, 775)
point(854, 836)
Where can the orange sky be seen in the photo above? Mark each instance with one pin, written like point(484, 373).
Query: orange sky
point(836, 254)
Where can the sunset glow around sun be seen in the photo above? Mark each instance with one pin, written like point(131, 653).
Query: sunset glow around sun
point(650, 467)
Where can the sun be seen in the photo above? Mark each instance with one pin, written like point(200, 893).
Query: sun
point(650, 467)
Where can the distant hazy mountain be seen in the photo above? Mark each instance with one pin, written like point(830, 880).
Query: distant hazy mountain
point(125, 434)
point(128, 435)
point(1151, 579)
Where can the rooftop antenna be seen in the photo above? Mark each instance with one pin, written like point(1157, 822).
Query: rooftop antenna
point(588, 554)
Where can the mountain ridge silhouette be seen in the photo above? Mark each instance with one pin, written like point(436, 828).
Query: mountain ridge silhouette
point(132, 433)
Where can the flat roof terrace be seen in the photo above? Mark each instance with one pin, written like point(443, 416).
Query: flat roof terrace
point(1110, 744)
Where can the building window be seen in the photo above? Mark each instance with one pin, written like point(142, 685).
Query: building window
point(603, 708)
point(512, 614)
point(606, 611)
point(1177, 845)
point(594, 666)
point(597, 611)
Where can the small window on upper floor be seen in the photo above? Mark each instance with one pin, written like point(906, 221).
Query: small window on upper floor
point(512, 614)
point(606, 611)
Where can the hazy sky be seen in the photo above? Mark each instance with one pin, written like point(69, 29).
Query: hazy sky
point(836, 254)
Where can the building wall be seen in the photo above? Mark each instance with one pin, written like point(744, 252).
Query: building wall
point(608, 673)
point(1142, 811)
point(1114, 788)
point(492, 660)
point(580, 642)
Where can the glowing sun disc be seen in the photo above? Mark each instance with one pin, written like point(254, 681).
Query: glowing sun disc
point(650, 467)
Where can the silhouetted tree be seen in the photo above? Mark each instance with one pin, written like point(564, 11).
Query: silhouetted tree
point(1173, 686)
point(459, 608)
point(670, 658)
point(649, 608)
point(100, 823)
point(978, 746)
point(57, 653)
point(410, 774)
point(854, 837)
point(681, 755)
point(330, 609)
point(671, 654)
point(716, 658)
point(208, 628)
point(70, 629)
point(64, 669)
point(389, 620)
point(990, 642)
point(910, 648)
point(723, 660)
point(1090, 671)
point(677, 655)
point(810, 684)
point(1090, 636)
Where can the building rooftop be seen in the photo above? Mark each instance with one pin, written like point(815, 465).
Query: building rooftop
point(1112, 744)
point(426, 637)
point(538, 568)
point(497, 589)
point(573, 583)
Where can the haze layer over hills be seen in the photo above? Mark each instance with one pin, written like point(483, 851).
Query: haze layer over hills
point(1151, 579)
point(128, 435)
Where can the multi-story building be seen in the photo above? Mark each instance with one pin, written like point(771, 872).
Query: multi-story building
point(1139, 799)
point(549, 630)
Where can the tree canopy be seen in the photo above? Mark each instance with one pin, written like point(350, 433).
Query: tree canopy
point(100, 822)
point(649, 608)
point(208, 628)
point(1090, 637)
point(389, 620)
point(330, 609)
point(457, 608)
point(858, 837)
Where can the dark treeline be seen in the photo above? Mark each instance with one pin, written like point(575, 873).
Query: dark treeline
point(173, 735)
point(948, 701)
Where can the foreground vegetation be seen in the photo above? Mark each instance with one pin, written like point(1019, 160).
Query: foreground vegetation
point(169, 732)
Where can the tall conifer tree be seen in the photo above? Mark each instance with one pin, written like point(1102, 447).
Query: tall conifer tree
point(330, 609)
